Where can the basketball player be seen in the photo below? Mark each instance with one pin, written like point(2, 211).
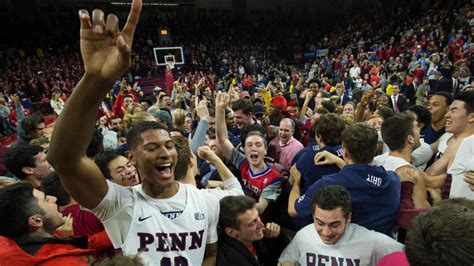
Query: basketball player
point(164, 222)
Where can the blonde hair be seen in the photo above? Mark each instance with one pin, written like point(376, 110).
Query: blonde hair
point(133, 106)
point(55, 96)
point(179, 116)
point(39, 141)
point(347, 119)
point(131, 120)
point(373, 116)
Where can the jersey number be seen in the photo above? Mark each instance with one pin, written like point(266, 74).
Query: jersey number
point(178, 261)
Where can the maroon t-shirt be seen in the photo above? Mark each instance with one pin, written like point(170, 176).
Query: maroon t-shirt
point(85, 223)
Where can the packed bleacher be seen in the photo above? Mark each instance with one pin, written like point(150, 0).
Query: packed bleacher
point(275, 143)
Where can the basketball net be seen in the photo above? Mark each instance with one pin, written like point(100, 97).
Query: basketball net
point(170, 65)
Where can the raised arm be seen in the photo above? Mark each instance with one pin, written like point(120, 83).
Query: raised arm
point(308, 97)
point(19, 113)
point(360, 109)
point(106, 54)
point(206, 153)
point(221, 128)
point(199, 137)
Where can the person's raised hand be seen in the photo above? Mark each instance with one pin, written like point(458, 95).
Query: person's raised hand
point(67, 229)
point(16, 98)
point(205, 153)
point(364, 101)
point(271, 230)
point(325, 158)
point(201, 82)
point(106, 50)
point(222, 100)
point(201, 109)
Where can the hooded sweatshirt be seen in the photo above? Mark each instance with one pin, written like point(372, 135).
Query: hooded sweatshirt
point(375, 196)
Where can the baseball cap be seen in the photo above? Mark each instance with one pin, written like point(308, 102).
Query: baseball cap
point(258, 109)
point(279, 102)
point(244, 94)
point(157, 89)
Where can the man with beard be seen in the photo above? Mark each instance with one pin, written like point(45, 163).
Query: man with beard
point(28, 164)
point(28, 220)
point(84, 223)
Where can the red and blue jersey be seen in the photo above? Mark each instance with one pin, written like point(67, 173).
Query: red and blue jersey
point(265, 183)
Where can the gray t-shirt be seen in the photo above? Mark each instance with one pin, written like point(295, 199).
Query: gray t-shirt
point(358, 246)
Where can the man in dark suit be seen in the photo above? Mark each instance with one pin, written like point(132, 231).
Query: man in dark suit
point(397, 101)
point(445, 84)
point(341, 92)
point(455, 83)
point(410, 89)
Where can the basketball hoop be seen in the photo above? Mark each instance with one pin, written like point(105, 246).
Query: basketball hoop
point(169, 57)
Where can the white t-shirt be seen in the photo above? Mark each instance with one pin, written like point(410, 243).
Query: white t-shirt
point(463, 162)
point(390, 163)
point(421, 155)
point(160, 231)
point(358, 246)
point(354, 72)
point(232, 187)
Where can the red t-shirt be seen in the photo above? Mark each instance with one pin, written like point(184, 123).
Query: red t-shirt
point(85, 223)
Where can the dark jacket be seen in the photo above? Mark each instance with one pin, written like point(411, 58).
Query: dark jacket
point(445, 84)
point(410, 92)
point(234, 252)
point(402, 103)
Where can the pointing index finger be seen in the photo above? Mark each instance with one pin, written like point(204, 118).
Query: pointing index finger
point(133, 18)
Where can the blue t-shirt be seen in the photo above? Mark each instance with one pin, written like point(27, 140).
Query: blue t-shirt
point(430, 135)
point(311, 147)
point(375, 196)
point(310, 172)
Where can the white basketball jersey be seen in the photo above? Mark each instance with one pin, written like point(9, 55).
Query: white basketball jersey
point(161, 241)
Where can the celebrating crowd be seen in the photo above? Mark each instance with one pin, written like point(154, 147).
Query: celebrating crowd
point(362, 156)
